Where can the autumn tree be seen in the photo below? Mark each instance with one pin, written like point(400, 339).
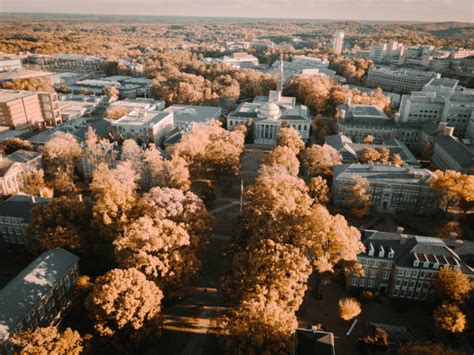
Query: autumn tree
point(452, 285)
point(449, 318)
point(48, 340)
point(114, 193)
point(318, 190)
point(62, 184)
point(275, 204)
point(172, 173)
point(34, 183)
point(63, 222)
point(123, 299)
point(368, 155)
point(396, 159)
point(132, 153)
point(186, 209)
point(112, 92)
point(61, 153)
point(11, 145)
point(209, 148)
point(451, 230)
point(95, 151)
point(384, 155)
point(114, 113)
point(368, 139)
point(359, 198)
point(289, 137)
point(349, 308)
point(319, 160)
point(283, 156)
point(269, 283)
point(158, 248)
point(453, 187)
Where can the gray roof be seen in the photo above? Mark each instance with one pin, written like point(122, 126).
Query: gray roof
point(381, 173)
point(415, 248)
point(309, 342)
point(20, 206)
point(23, 156)
point(21, 294)
point(458, 151)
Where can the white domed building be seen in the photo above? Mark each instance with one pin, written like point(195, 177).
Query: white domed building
point(268, 114)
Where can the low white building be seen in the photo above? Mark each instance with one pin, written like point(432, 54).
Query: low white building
point(237, 60)
point(185, 116)
point(14, 169)
point(144, 126)
point(139, 104)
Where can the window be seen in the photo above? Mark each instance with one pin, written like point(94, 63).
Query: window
point(371, 283)
point(362, 282)
point(373, 273)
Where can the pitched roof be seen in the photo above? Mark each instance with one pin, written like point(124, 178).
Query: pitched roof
point(456, 149)
point(21, 294)
point(20, 206)
point(309, 342)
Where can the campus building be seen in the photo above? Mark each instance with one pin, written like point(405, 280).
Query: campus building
point(399, 80)
point(402, 265)
point(68, 62)
point(28, 110)
point(338, 42)
point(452, 153)
point(145, 126)
point(14, 169)
point(391, 188)
point(15, 214)
point(269, 113)
point(38, 295)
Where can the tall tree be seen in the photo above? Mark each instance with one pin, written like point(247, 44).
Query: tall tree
point(114, 193)
point(49, 340)
point(349, 308)
point(123, 299)
point(452, 188)
point(319, 190)
point(452, 285)
point(63, 222)
point(359, 198)
point(284, 157)
point(449, 318)
point(319, 160)
point(61, 153)
point(289, 137)
point(11, 145)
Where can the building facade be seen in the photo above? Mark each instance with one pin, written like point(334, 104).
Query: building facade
point(38, 295)
point(403, 266)
point(391, 188)
point(14, 169)
point(399, 80)
point(144, 126)
point(450, 152)
point(338, 42)
point(28, 110)
point(15, 214)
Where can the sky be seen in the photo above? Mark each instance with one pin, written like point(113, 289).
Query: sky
point(381, 10)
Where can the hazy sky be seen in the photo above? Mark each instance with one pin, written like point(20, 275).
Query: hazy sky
point(405, 10)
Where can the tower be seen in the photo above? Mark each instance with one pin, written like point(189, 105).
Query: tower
point(338, 42)
point(280, 76)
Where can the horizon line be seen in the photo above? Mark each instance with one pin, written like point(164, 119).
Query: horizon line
point(236, 17)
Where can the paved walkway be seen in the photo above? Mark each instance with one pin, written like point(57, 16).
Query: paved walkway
point(225, 207)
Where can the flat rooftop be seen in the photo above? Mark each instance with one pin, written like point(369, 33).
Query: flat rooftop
point(139, 118)
point(191, 113)
point(443, 82)
point(10, 95)
point(22, 74)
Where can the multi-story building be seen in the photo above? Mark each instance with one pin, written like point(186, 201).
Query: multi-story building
point(237, 60)
point(421, 106)
point(391, 188)
point(452, 153)
point(38, 295)
point(184, 116)
point(338, 42)
point(145, 126)
point(15, 214)
point(142, 104)
point(301, 65)
point(443, 87)
point(351, 151)
point(269, 114)
point(386, 52)
point(10, 64)
point(68, 62)
point(457, 112)
point(359, 121)
point(404, 266)
point(28, 110)
point(399, 80)
point(14, 169)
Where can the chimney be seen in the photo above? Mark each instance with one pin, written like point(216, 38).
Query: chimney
point(347, 100)
point(442, 126)
point(403, 239)
point(448, 131)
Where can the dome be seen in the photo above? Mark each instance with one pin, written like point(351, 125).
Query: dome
point(269, 110)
